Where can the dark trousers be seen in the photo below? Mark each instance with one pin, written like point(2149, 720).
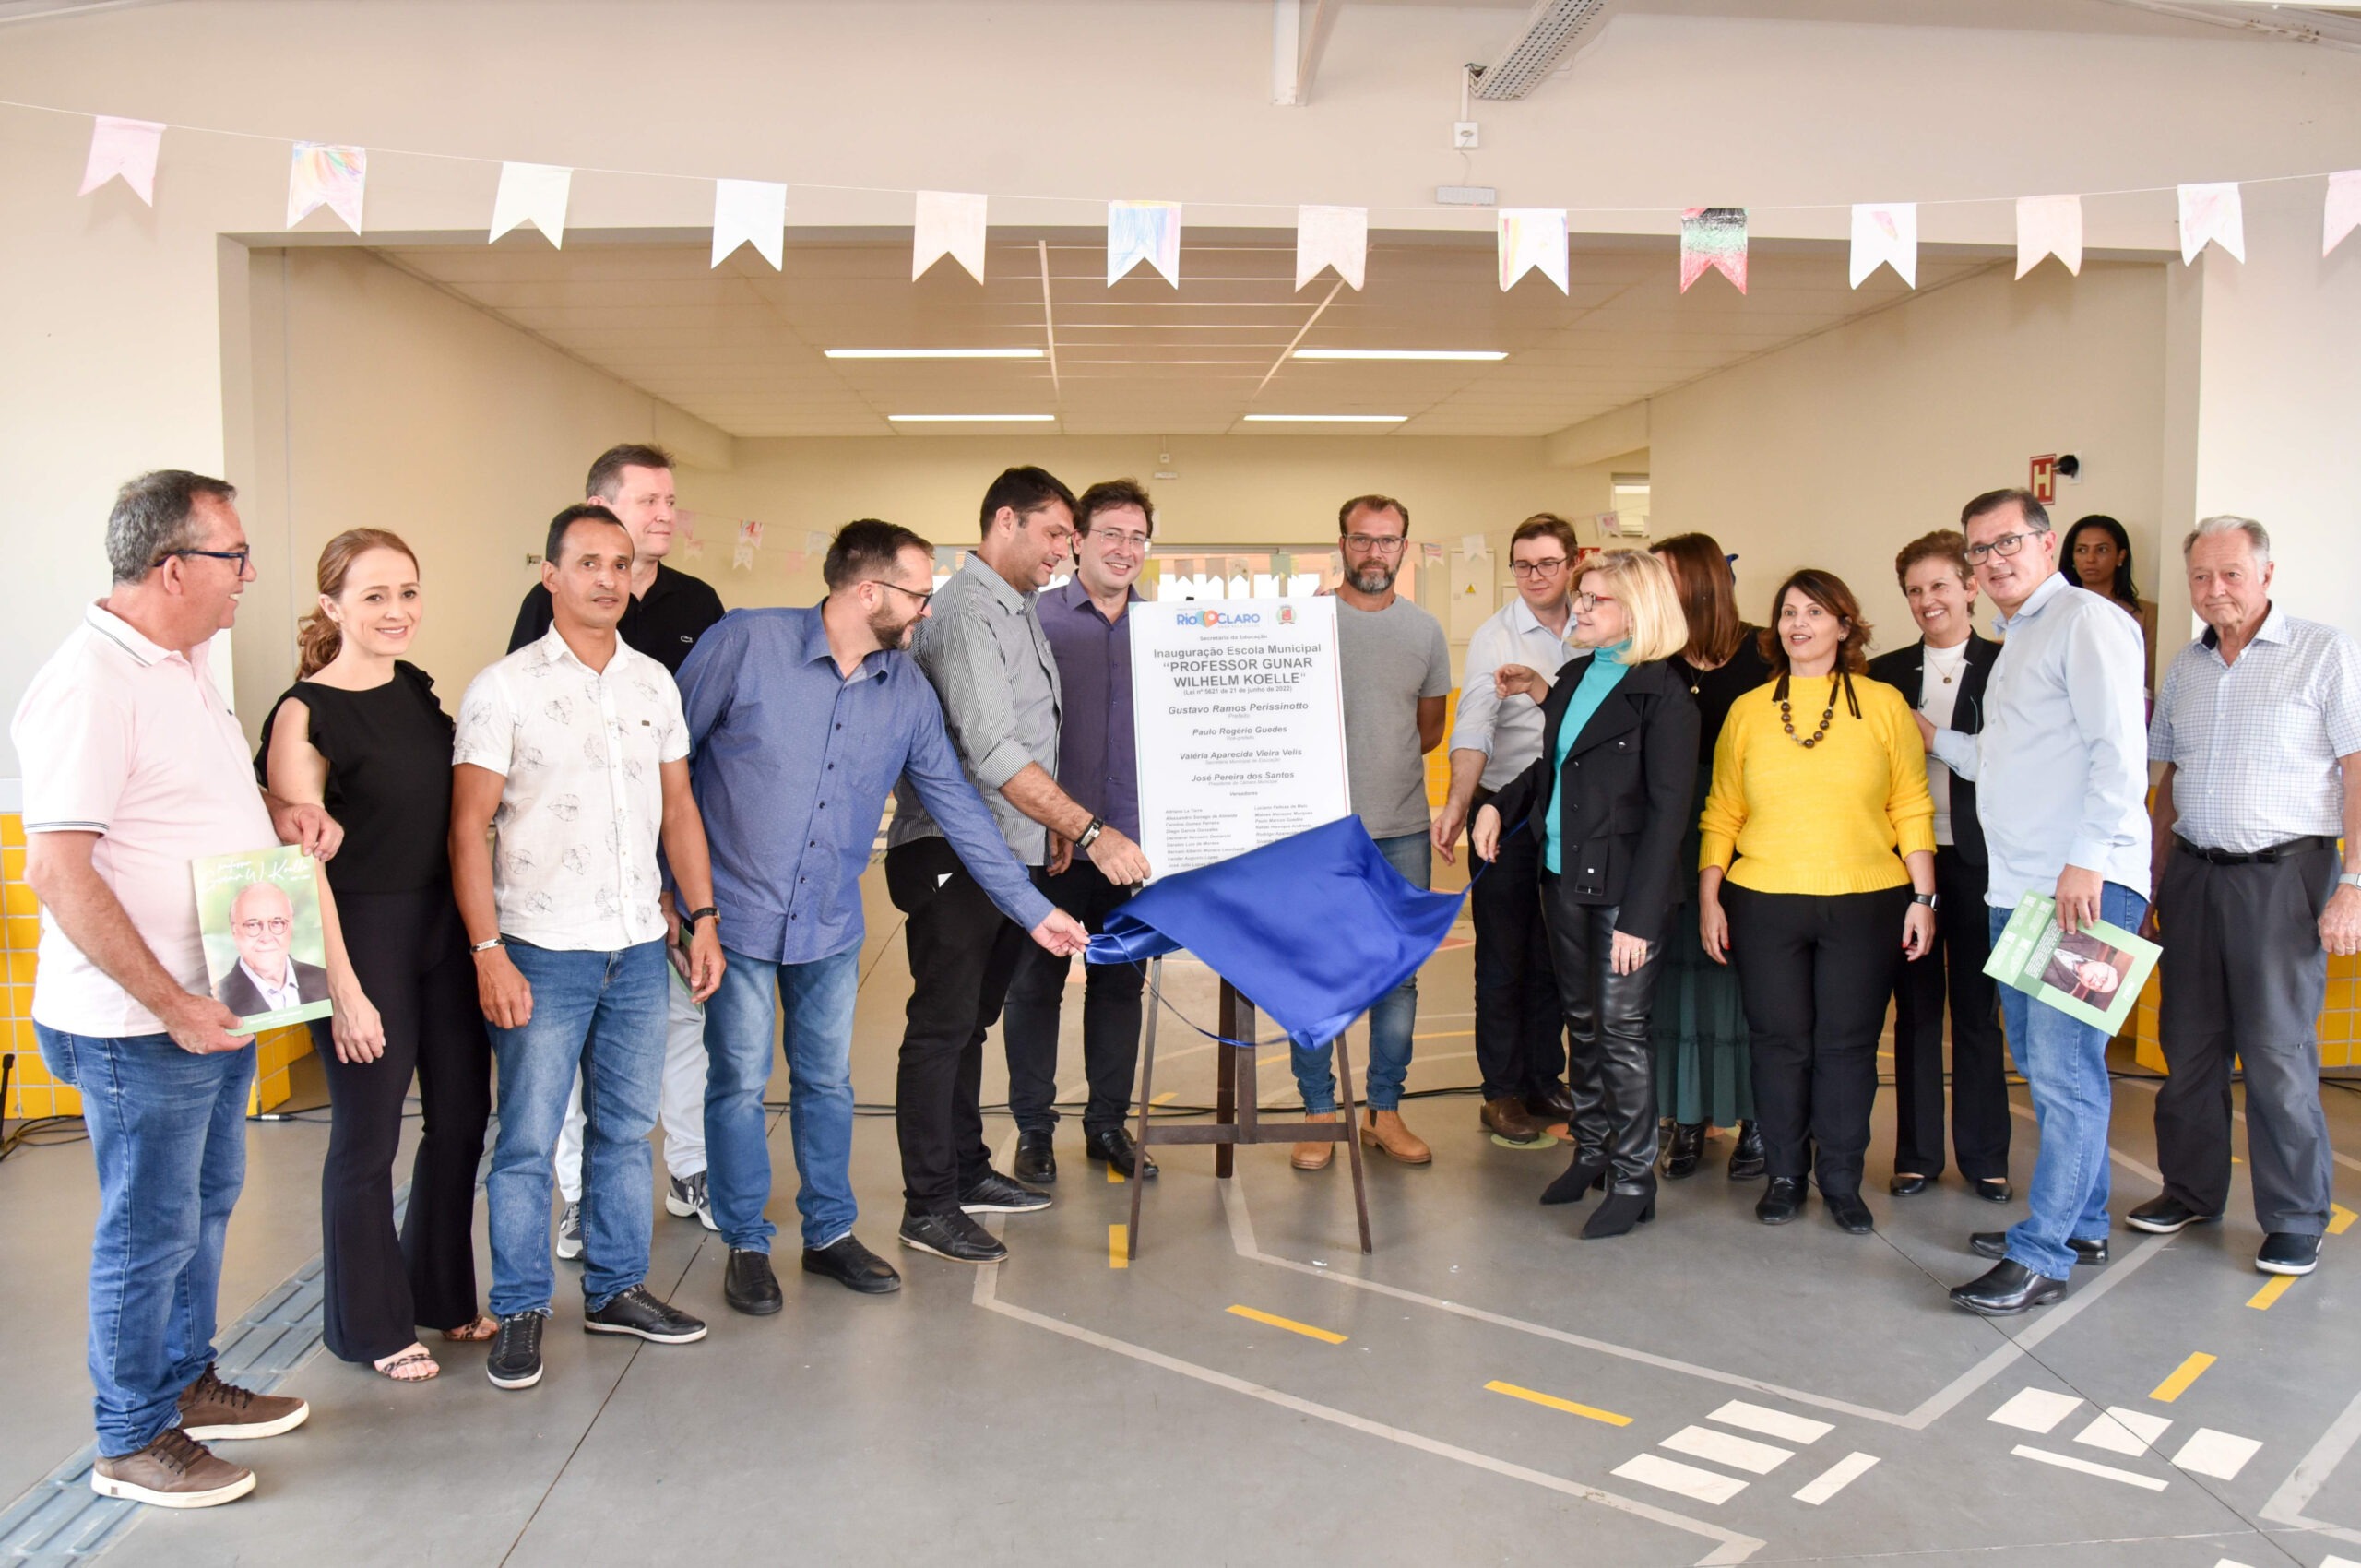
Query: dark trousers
point(410, 955)
point(1610, 1067)
point(963, 952)
point(1111, 1015)
point(1520, 1033)
point(2243, 976)
point(1815, 971)
point(1952, 970)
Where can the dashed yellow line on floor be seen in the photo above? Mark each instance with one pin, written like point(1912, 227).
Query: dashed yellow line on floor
point(2188, 1371)
point(1166, 1097)
point(1114, 1177)
point(2260, 1301)
point(1324, 1335)
point(1534, 1396)
point(1118, 1246)
point(1448, 1034)
point(2340, 1219)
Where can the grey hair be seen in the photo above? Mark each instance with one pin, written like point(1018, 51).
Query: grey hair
point(2257, 535)
point(154, 516)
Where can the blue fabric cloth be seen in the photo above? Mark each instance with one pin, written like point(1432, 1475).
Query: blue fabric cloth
point(792, 764)
point(742, 1020)
point(1097, 752)
point(1392, 1018)
point(1600, 677)
point(1314, 929)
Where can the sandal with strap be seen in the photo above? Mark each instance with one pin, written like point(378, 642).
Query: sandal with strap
point(476, 1332)
point(415, 1364)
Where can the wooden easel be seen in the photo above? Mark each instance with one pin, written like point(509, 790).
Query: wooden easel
point(1237, 1107)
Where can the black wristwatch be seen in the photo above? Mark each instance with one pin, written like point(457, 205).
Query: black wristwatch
point(1929, 899)
point(1089, 836)
point(689, 921)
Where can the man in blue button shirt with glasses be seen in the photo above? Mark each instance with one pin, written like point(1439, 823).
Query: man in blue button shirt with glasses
point(799, 722)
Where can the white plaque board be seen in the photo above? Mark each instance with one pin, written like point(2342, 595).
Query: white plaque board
point(1238, 711)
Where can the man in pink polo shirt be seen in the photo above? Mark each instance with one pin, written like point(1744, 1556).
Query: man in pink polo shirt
point(132, 766)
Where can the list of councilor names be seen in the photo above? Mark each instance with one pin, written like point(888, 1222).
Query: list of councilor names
point(1239, 717)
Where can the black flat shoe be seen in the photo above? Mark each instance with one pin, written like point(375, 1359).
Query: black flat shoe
point(992, 1192)
point(1851, 1214)
point(2162, 1215)
point(1688, 1149)
point(1782, 1201)
point(1993, 1189)
point(1575, 1183)
point(1909, 1186)
point(1115, 1149)
point(852, 1266)
point(953, 1236)
point(1995, 1244)
point(2284, 1251)
point(1552, 1104)
point(1037, 1158)
point(748, 1284)
point(2008, 1290)
point(1747, 1160)
point(643, 1316)
point(1628, 1203)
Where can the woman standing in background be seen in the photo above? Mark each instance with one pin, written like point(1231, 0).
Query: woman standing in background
point(2099, 552)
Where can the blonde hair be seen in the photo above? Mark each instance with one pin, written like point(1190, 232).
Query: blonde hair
point(1650, 598)
point(318, 638)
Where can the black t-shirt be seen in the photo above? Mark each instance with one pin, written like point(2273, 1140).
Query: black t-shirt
point(663, 624)
point(1717, 688)
point(389, 779)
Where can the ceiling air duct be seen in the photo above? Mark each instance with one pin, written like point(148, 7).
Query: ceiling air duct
point(1552, 31)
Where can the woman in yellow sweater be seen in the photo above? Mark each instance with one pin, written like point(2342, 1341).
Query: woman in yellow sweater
point(1819, 791)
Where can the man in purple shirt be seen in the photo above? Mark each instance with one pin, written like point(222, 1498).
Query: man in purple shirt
point(1087, 621)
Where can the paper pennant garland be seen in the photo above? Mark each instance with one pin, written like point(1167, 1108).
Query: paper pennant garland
point(2212, 212)
point(1532, 237)
point(815, 542)
point(2049, 225)
point(127, 148)
point(1330, 236)
point(2343, 213)
point(321, 175)
point(1885, 232)
point(1713, 237)
point(946, 559)
point(750, 212)
point(794, 561)
point(750, 539)
point(1143, 231)
point(951, 224)
point(1282, 567)
point(534, 193)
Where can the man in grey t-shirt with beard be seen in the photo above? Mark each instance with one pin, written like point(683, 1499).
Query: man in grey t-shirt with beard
point(1396, 670)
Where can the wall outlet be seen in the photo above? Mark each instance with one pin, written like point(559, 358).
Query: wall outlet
point(1462, 135)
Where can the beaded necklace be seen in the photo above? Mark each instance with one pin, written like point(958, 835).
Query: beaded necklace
point(1827, 714)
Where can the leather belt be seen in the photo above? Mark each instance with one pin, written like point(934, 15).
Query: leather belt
point(2271, 856)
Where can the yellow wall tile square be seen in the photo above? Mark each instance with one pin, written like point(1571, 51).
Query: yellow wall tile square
point(17, 900)
point(24, 933)
point(12, 828)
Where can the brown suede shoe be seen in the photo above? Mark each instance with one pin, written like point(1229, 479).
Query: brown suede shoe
point(174, 1471)
point(1314, 1157)
point(1384, 1130)
point(1507, 1118)
point(212, 1409)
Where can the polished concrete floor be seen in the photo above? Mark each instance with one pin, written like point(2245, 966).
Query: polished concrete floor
point(1485, 1388)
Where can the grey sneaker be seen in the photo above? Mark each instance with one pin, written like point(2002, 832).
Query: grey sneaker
point(684, 1196)
point(569, 1233)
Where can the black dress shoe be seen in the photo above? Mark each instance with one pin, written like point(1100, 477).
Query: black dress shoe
point(1851, 1214)
point(992, 1192)
point(2162, 1215)
point(1628, 1203)
point(1748, 1160)
point(1115, 1147)
point(1550, 1104)
point(1037, 1158)
point(852, 1266)
point(748, 1284)
point(643, 1316)
point(1908, 1186)
point(953, 1236)
point(2008, 1290)
point(1992, 1189)
point(2284, 1251)
point(1687, 1148)
point(1995, 1244)
point(1574, 1183)
point(1781, 1201)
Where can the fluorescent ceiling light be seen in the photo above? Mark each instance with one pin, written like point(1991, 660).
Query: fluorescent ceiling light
point(934, 353)
point(972, 419)
point(1400, 354)
point(1325, 418)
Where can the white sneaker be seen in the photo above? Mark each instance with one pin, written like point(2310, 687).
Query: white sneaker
point(569, 1233)
point(684, 1196)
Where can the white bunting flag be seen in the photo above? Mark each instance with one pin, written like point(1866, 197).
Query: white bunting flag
point(535, 194)
point(1330, 236)
point(127, 148)
point(1143, 231)
point(1885, 232)
point(2214, 213)
point(321, 175)
point(2343, 213)
point(1531, 237)
point(2049, 225)
point(951, 224)
point(750, 212)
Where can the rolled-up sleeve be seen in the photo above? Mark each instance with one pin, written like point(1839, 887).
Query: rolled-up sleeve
point(962, 659)
point(2104, 685)
point(1479, 702)
point(932, 767)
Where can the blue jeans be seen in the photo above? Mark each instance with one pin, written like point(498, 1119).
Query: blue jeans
point(1392, 1018)
point(601, 1014)
point(2064, 1062)
point(741, 1021)
point(167, 1132)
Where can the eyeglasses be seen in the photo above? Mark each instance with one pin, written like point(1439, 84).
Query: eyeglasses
point(1531, 569)
point(240, 557)
point(1375, 544)
point(278, 925)
point(1135, 541)
point(2007, 544)
point(1586, 602)
point(922, 597)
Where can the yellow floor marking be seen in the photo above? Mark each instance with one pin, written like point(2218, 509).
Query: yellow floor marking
point(1590, 1412)
point(1324, 1335)
point(1166, 1097)
point(1114, 1177)
point(2340, 1219)
point(2260, 1301)
point(2188, 1371)
point(1118, 1247)
point(1448, 1034)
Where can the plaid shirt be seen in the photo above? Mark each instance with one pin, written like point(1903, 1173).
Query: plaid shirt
point(2255, 744)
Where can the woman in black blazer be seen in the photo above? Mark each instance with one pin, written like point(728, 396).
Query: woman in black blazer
point(1610, 796)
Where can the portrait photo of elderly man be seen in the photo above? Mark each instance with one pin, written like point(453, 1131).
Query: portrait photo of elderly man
point(2087, 967)
point(267, 978)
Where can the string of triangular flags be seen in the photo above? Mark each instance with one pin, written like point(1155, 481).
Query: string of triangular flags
point(948, 223)
point(746, 541)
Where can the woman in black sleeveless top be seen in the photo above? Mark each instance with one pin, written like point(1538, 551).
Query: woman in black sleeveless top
point(363, 733)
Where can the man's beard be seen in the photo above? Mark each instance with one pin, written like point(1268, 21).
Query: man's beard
point(890, 633)
point(1375, 577)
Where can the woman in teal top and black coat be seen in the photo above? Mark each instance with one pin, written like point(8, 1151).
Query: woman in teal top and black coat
point(1611, 796)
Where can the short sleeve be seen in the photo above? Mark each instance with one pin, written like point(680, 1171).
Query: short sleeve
point(1438, 682)
point(73, 748)
point(2160, 723)
point(2341, 701)
point(672, 737)
point(486, 735)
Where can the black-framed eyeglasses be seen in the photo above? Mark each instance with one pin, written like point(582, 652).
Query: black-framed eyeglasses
point(1376, 544)
point(923, 596)
point(240, 557)
point(1550, 567)
point(2007, 544)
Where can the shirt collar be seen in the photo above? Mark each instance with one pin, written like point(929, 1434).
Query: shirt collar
point(265, 987)
point(121, 633)
point(1522, 619)
point(816, 650)
point(2272, 630)
point(553, 650)
point(1072, 595)
point(2051, 586)
point(1000, 588)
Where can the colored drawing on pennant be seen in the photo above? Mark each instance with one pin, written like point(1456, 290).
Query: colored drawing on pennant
point(1713, 237)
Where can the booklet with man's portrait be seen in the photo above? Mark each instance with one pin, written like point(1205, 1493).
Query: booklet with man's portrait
point(2094, 975)
point(265, 953)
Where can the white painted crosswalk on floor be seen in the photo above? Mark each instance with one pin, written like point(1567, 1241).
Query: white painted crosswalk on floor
point(2219, 1455)
point(1751, 1454)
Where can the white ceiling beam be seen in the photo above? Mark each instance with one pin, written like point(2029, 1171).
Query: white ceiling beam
point(1299, 30)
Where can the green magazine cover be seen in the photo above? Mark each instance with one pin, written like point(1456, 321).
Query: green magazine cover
point(265, 951)
point(2094, 975)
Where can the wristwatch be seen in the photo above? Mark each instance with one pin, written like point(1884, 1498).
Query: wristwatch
point(2351, 879)
point(1930, 899)
point(689, 921)
point(1089, 836)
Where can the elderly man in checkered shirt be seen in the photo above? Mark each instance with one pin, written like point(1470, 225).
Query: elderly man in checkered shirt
point(2259, 728)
